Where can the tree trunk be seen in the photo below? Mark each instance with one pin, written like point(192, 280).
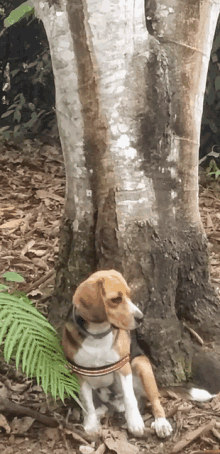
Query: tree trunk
point(77, 251)
point(129, 95)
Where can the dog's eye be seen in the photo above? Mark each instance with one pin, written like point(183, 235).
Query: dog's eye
point(116, 300)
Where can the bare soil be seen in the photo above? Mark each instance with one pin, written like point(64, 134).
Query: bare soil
point(31, 202)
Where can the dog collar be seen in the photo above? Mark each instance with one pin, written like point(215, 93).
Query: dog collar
point(98, 371)
point(79, 322)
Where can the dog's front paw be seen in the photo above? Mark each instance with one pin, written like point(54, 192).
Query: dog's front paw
point(135, 424)
point(91, 424)
point(162, 427)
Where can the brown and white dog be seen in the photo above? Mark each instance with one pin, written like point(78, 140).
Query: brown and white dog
point(97, 344)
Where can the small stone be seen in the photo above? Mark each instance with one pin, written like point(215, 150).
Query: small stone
point(86, 449)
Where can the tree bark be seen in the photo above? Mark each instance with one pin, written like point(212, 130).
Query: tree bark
point(77, 251)
point(129, 93)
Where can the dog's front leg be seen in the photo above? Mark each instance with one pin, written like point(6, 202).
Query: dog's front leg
point(133, 417)
point(91, 423)
point(142, 367)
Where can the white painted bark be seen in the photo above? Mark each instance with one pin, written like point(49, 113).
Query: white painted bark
point(120, 42)
point(76, 258)
point(121, 46)
point(68, 110)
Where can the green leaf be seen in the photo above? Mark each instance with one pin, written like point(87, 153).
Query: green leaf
point(3, 129)
point(6, 323)
point(22, 100)
point(3, 287)
point(53, 383)
point(32, 64)
point(217, 83)
point(26, 352)
point(11, 339)
point(15, 71)
point(24, 10)
point(4, 313)
point(217, 174)
point(33, 119)
point(21, 345)
point(17, 115)
point(45, 375)
point(7, 113)
point(216, 44)
point(39, 367)
point(61, 390)
point(28, 359)
point(12, 276)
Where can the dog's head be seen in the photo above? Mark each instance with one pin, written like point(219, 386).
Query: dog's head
point(105, 296)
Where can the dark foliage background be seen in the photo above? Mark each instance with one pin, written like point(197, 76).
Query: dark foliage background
point(27, 92)
point(210, 130)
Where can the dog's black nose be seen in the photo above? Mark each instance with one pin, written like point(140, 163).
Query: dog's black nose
point(138, 317)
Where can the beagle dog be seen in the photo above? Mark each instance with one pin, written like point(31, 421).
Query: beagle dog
point(97, 344)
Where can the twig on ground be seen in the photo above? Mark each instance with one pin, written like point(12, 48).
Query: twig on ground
point(6, 406)
point(190, 436)
point(209, 451)
point(63, 435)
point(10, 407)
point(196, 335)
point(40, 281)
point(216, 433)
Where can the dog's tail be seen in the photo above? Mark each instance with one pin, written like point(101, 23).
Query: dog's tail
point(196, 394)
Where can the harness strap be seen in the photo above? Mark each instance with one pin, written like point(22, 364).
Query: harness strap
point(98, 371)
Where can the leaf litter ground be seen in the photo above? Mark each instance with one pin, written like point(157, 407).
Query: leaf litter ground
point(31, 203)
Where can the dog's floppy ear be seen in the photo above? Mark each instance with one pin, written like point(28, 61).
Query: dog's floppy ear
point(88, 299)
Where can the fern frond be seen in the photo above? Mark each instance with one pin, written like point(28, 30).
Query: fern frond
point(45, 375)
point(5, 325)
point(53, 383)
point(39, 365)
point(20, 347)
point(61, 388)
point(33, 342)
point(11, 339)
point(26, 353)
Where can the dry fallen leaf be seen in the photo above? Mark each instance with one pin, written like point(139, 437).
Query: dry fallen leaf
point(210, 224)
point(52, 433)
point(17, 388)
point(27, 247)
point(21, 425)
point(76, 436)
point(49, 195)
point(101, 449)
point(14, 223)
point(4, 424)
point(116, 440)
point(3, 390)
point(38, 252)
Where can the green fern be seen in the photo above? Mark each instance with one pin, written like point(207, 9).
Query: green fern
point(34, 344)
point(23, 10)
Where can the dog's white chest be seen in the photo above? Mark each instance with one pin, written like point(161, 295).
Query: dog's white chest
point(97, 353)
